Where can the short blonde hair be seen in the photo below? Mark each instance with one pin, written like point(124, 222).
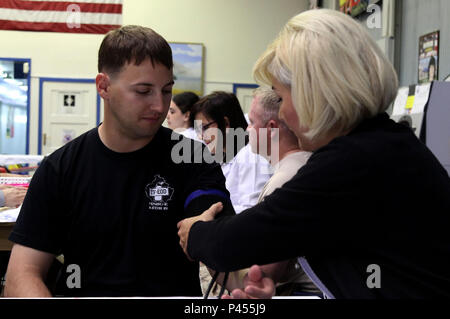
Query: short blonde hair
point(337, 73)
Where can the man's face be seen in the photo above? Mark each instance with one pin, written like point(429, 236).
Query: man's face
point(258, 137)
point(138, 99)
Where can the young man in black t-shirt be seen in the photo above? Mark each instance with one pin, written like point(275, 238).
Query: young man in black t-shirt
point(110, 200)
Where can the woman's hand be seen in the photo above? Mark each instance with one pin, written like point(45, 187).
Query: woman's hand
point(185, 225)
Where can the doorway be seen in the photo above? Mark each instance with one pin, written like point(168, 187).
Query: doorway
point(67, 109)
point(14, 105)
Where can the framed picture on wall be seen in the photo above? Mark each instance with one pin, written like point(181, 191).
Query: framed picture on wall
point(188, 59)
point(429, 57)
point(244, 93)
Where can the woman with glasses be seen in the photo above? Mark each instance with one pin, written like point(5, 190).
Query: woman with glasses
point(221, 124)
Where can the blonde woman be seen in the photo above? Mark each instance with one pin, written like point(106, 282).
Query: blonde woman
point(369, 212)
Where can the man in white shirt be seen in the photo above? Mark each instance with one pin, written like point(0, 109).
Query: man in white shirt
point(272, 139)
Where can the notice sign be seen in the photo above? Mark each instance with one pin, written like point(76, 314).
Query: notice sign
point(429, 57)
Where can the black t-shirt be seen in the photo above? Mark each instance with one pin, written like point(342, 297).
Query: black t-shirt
point(115, 215)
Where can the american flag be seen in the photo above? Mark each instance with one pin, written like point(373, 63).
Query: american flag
point(81, 16)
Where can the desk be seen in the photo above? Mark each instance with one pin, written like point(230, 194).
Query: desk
point(20, 159)
point(5, 230)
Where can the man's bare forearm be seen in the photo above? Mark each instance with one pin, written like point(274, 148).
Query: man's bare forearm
point(26, 286)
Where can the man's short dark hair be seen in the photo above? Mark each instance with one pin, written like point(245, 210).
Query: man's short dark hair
point(133, 44)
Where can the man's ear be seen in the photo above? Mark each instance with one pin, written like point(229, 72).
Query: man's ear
point(272, 127)
point(102, 82)
point(272, 124)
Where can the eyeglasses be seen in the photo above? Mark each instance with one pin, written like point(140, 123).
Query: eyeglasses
point(203, 128)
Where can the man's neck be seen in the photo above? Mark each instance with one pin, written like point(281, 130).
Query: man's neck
point(118, 142)
point(283, 153)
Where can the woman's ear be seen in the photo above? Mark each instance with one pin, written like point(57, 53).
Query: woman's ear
point(186, 116)
point(227, 122)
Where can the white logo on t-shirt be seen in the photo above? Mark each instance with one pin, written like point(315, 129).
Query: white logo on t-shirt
point(160, 193)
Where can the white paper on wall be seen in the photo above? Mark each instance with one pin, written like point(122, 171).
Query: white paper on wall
point(421, 98)
point(401, 101)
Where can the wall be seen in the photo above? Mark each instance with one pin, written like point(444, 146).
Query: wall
point(386, 44)
point(234, 33)
point(330, 4)
point(420, 18)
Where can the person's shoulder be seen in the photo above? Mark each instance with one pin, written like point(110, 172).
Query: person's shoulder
point(366, 152)
point(295, 160)
point(370, 136)
point(172, 138)
point(247, 156)
point(166, 134)
point(190, 133)
point(375, 141)
point(247, 162)
point(181, 149)
point(77, 142)
point(71, 149)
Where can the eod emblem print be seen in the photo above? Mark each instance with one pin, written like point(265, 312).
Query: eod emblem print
point(160, 193)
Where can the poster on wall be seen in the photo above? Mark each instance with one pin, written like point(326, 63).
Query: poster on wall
point(353, 7)
point(187, 67)
point(70, 102)
point(429, 57)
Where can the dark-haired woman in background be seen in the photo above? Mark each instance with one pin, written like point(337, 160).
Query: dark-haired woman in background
point(179, 116)
point(222, 119)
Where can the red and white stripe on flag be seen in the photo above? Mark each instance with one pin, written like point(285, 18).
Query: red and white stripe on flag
point(81, 16)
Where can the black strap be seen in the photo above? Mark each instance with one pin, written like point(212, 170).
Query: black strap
point(211, 284)
point(224, 285)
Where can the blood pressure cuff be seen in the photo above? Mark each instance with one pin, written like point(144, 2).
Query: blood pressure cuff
point(199, 201)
